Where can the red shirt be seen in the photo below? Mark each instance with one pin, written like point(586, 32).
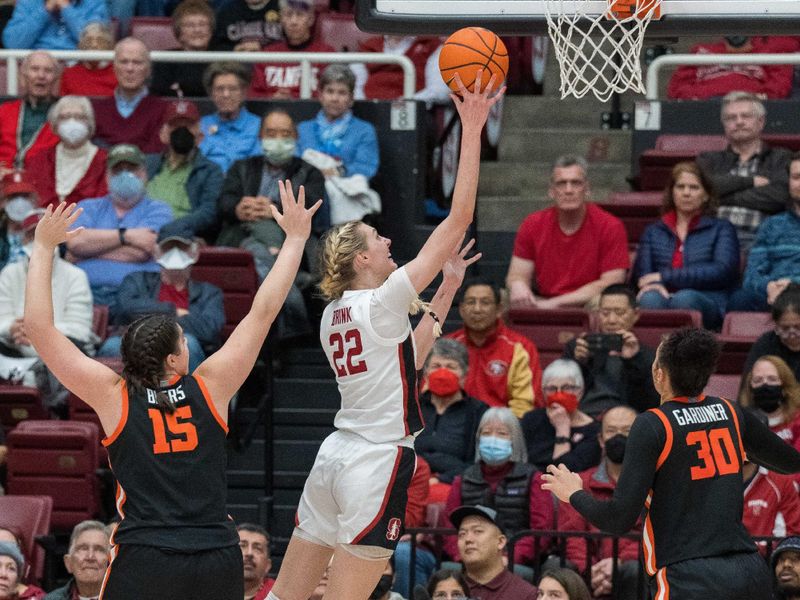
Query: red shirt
point(271, 78)
point(503, 587)
point(564, 263)
point(767, 495)
point(265, 589)
point(77, 80)
point(168, 293)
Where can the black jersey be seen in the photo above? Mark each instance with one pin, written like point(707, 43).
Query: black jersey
point(170, 470)
point(684, 463)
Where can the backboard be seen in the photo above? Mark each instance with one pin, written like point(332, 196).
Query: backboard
point(521, 17)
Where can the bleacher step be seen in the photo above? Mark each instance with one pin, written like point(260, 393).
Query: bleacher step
point(548, 143)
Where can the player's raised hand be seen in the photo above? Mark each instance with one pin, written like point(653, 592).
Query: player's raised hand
point(54, 227)
point(561, 481)
point(294, 218)
point(473, 107)
point(456, 266)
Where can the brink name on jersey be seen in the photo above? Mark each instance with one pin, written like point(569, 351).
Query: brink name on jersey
point(341, 316)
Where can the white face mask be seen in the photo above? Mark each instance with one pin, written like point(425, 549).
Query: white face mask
point(73, 131)
point(18, 207)
point(176, 259)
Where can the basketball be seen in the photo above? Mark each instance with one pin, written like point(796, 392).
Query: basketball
point(467, 51)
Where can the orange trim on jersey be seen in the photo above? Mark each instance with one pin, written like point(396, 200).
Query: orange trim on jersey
point(738, 431)
point(202, 385)
point(121, 497)
point(173, 380)
point(668, 443)
point(122, 419)
point(648, 539)
point(112, 555)
point(662, 584)
point(385, 501)
point(687, 400)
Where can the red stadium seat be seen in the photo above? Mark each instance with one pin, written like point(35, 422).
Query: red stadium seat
point(636, 210)
point(654, 324)
point(56, 459)
point(790, 141)
point(340, 31)
point(550, 330)
point(739, 331)
point(100, 321)
point(19, 403)
point(232, 270)
point(155, 32)
point(726, 386)
point(28, 516)
point(655, 164)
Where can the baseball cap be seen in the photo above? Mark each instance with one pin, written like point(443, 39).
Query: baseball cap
point(125, 153)
point(789, 543)
point(462, 512)
point(16, 183)
point(12, 551)
point(181, 110)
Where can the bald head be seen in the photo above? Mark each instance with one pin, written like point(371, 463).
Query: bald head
point(617, 420)
point(38, 75)
point(131, 65)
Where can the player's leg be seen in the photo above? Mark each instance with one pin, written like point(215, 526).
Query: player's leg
point(355, 571)
point(303, 566)
point(741, 576)
point(212, 574)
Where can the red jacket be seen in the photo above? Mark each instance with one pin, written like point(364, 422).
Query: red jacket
point(713, 81)
point(9, 149)
point(385, 82)
point(418, 494)
point(42, 168)
point(271, 78)
point(771, 506)
point(504, 371)
point(77, 80)
point(597, 482)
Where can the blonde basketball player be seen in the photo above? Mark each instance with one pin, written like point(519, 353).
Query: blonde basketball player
point(354, 500)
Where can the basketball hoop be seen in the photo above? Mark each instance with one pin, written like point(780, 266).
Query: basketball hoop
point(599, 53)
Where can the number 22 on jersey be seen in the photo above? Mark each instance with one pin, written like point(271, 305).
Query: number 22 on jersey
point(716, 451)
point(347, 348)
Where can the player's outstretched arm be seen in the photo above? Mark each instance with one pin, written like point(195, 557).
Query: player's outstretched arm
point(90, 380)
point(452, 277)
point(765, 448)
point(225, 370)
point(473, 109)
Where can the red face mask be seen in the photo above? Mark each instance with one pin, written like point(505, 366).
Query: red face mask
point(443, 382)
point(565, 399)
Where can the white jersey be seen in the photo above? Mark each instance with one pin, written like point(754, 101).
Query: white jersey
point(367, 338)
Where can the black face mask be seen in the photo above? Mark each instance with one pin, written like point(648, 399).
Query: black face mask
point(768, 397)
point(383, 587)
point(615, 448)
point(181, 140)
point(737, 41)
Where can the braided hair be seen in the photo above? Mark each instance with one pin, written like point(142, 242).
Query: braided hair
point(340, 245)
point(145, 346)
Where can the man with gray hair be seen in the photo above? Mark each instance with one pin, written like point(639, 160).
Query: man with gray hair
point(749, 177)
point(86, 560)
point(567, 254)
point(24, 130)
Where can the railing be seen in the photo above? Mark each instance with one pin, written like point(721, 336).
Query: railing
point(304, 59)
point(557, 549)
point(671, 60)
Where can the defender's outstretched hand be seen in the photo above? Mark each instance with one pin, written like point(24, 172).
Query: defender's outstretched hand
point(561, 481)
point(54, 227)
point(473, 107)
point(294, 218)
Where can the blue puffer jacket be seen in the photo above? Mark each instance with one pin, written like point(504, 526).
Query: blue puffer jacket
point(710, 256)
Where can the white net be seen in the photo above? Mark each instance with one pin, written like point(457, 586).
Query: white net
point(599, 53)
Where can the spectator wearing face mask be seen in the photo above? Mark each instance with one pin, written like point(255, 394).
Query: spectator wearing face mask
point(561, 433)
point(196, 305)
point(601, 481)
point(184, 178)
point(771, 387)
point(502, 479)
point(120, 228)
point(383, 591)
point(18, 200)
point(75, 168)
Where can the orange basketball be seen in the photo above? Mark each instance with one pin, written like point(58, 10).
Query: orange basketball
point(467, 51)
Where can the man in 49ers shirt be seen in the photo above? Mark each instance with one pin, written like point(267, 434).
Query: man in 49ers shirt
point(282, 80)
point(683, 462)
point(504, 367)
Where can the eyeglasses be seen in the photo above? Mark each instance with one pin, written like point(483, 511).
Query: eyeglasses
point(785, 331)
point(448, 596)
point(569, 388)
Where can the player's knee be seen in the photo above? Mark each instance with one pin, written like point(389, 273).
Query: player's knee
point(367, 552)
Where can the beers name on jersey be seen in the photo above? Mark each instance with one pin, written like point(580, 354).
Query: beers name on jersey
point(694, 415)
point(175, 395)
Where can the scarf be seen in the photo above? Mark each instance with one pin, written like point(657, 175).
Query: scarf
point(331, 133)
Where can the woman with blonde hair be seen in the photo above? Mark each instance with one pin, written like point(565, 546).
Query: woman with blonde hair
point(354, 499)
point(772, 387)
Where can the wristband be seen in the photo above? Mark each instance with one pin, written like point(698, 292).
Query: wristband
point(122, 231)
point(562, 439)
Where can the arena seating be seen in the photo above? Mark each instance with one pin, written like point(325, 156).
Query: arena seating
point(58, 459)
point(100, 320)
point(636, 210)
point(654, 324)
point(739, 331)
point(18, 403)
point(155, 32)
point(726, 386)
point(29, 516)
point(549, 329)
